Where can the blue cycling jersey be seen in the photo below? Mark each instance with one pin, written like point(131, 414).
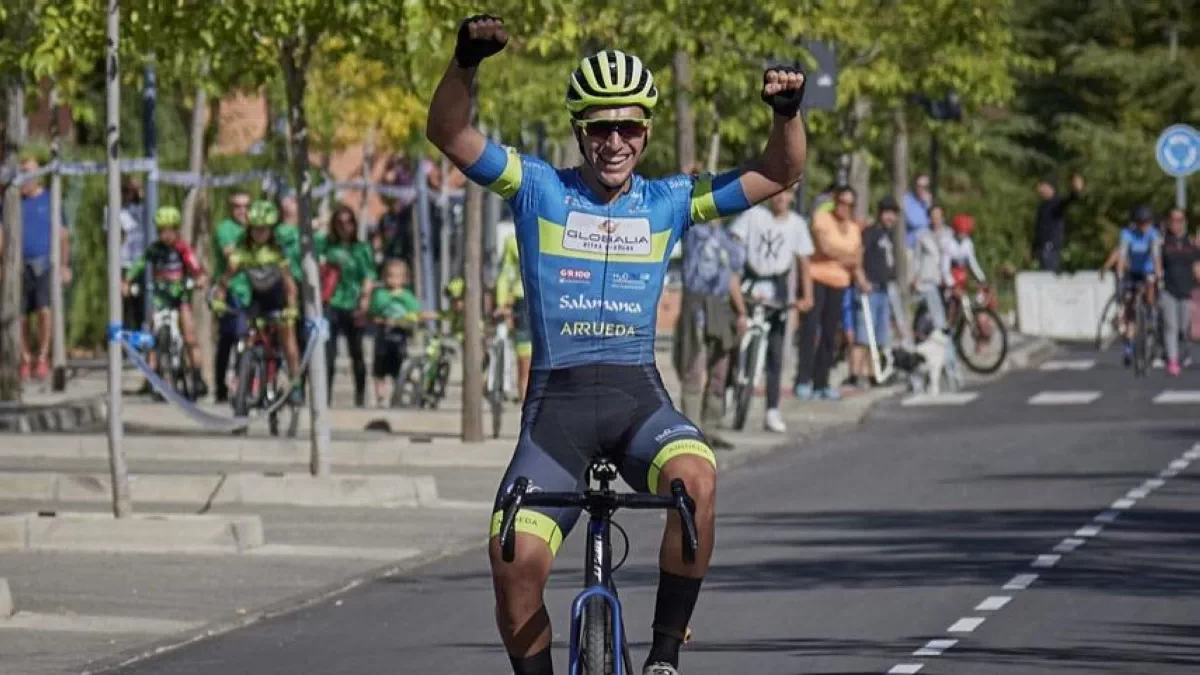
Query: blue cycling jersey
point(593, 271)
point(1140, 249)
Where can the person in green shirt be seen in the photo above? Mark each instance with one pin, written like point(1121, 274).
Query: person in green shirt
point(260, 262)
point(395, 311)
point(510, 302)
point(229, 233)
point(347, 279)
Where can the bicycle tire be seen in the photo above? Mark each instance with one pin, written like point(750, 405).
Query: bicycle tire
point(496, 395)
point(1140, 357)
point(407, 392)
point(185, 381)
point(596, 642)
point(1111, 311)
point(162, 358)
point(744, 389)
point(245, 397)
point(1001, 333)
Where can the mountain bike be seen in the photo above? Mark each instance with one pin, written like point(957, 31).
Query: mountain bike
point(172, 363)
point(597, 625)
point(423, 380)
point(259, 362)
point(980, 337)
point(499, 361)
point(750, 366)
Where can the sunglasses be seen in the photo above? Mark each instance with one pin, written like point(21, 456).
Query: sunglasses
point(240, 205)
point(601, 129)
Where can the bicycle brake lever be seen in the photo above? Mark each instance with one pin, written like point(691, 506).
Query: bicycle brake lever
point(687, 512)
point(512, 506)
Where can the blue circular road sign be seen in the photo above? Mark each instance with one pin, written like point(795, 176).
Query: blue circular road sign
point(1178, 150)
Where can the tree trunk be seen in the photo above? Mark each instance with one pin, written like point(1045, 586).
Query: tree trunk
point(860, 167)
point(11, 265)
point(472, 415)
point(295, 78)
point(685, 119)
point(899, 185)
point(368, 163)
point(195, 221)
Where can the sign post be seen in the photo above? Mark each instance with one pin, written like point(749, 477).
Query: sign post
point(1178, 154)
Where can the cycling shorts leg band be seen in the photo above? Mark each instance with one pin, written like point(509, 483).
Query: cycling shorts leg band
point(524, 348)
point(532, 522)
point(680, 448)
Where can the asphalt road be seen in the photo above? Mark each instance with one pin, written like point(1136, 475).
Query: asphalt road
point(920, 532)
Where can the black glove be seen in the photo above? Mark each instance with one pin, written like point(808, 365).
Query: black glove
point(786, 103)
point(470, 51)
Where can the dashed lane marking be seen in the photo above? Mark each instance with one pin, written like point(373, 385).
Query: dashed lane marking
point(1068, 545)
point(993, 603)
point(967, 624)
point(1177, 397)
point(1068, 364)
point(946, 399)
point(906, 669)
point(1020, 582)
point(1064, 398)
point(935, 647)
point(1046, 560)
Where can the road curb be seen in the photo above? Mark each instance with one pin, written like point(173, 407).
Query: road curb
point(207, 490)
point(68, 415)
point(141, 533)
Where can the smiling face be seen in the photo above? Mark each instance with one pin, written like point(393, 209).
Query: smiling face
point(613, 140)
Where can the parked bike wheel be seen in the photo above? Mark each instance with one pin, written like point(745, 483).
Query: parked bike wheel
point(596, 641)
point(496, 393)
point(410, 384)
point(744, 387)
point(248, 395)
point(982, 353)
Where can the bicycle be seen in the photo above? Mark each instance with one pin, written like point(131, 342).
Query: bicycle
point(498, 362)
point(424, 378)
point(750, 366)
point(975, 319)
point(259, 361)
point(597, 625)
point(1145, 332)
point(172, 363)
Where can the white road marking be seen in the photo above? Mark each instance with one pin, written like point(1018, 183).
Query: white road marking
point(1179, 464)
point(1068, 364)
point(906, 669)
point(935, 647)
point(1107, 516)
point(1089, 530)
point(1153, 483)
point(1123, 503)
point(993, 603)
point(1046, 561)
point(81, 623)
point(1064, 398)
point(1177, 396)
point(1138, 493)
point(1068, 545)
point(967, 624)
point(1168, 473)
point(1192, 454)
point(1020, 582)
point(949, 398)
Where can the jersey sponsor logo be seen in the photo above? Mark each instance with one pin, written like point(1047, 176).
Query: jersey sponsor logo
point(596, 329)
point(677, 430)
point(582, 302)
point(568, 275)
point(607, 236)
point(630, 280)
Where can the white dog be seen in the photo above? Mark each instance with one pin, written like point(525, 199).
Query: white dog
point(933, 351)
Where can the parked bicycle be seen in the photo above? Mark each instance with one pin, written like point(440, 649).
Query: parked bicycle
point(597, 624)
point(980, 337)
point(750, 366)
point(498, 365)
point(424, 378)
point(259, 363)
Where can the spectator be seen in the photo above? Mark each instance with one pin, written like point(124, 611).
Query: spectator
point(1049, 228)
point(393, 237)
point(712, 316)
point(396, 310)
point(347, 279)
point(229, 235)
point(879, 268)
point(35, 288)
point(836, 263)
point(1179, 258)
point(133, 245)
point(777, 241)
point(931, 267)
point(917, 205)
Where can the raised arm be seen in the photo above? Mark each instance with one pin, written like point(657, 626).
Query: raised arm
point(449, 123)
point(781, 163)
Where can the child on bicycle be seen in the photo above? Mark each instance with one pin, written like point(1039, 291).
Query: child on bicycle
point(1139, 266)
point(173, 264)
point(395, 311)
point(273, 293)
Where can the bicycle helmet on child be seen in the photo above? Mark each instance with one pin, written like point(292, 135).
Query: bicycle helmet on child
point(167, 217)
point(263, 214)
point(963, 224)
point(455, 287)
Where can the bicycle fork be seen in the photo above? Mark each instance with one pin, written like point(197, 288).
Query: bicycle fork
point(599, 566)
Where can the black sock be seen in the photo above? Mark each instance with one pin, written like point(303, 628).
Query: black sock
point(538, 664)
point(672, 610)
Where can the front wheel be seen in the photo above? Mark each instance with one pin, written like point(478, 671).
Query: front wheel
point(596, 641)
point(1109, 326)
point(250, 385)
point(410, 384)
point(744, 387)
point(982, 343)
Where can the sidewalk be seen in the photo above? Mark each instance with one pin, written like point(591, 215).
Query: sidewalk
point(75, 607)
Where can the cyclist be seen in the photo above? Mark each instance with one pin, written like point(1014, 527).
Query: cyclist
point(595, 242)
point(261, 261)
point(1139, 266)
point(395, 309)
point(172, 263)
point(510, 301)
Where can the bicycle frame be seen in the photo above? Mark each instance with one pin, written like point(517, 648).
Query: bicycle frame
point(751, 373)
point(265, 339)
point(169, 317)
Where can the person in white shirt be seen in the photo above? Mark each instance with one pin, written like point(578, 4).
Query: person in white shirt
point(931, 266)
point(777, 241)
